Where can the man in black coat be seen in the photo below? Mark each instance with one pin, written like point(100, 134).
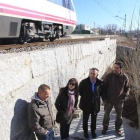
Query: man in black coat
point(90, 90)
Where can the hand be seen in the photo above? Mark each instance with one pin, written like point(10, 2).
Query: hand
point(46, 132)
point(73, 110)
point(122, 100)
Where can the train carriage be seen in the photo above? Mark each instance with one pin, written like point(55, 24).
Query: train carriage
point(25, 20)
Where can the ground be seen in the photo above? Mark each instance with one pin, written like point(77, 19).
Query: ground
point(128, 133)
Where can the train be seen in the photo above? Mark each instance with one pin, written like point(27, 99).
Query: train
point(26, 20)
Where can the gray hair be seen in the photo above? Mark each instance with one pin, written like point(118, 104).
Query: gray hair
point(94, 69)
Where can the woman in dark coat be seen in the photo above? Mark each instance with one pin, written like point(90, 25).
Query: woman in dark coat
point(66, 104)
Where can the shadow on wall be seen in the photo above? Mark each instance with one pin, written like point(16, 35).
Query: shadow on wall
point(19, 122)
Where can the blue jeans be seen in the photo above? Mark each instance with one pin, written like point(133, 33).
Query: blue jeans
point(48, 136)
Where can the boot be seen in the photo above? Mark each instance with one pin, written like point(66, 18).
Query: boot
point(105, 128)
point(104, 132)
point(119, 133)
point(93, 134)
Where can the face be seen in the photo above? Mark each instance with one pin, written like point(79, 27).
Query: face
point(44, 95)
point(93, 74)
point(117, 69)
point(71, 85)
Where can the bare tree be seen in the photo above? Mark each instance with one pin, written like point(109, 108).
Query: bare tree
point(114, 27)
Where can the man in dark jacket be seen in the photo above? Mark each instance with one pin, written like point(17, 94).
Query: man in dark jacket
point(40, 117)
point(90, 90)
point(116, 90)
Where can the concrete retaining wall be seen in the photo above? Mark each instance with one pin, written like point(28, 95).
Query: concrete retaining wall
point(76, 36)
point(22, 73)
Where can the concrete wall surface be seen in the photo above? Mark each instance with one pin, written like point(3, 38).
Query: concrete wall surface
point(22, 73)
point(77, 36)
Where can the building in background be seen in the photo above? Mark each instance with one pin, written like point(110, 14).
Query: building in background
point(82, 29)
point(111, 32)
point(95, 31)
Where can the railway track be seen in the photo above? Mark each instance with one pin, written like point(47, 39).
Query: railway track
point(10, 48)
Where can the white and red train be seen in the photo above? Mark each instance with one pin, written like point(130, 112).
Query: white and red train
point(25, 20)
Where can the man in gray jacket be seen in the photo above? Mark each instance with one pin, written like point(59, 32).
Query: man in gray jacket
point(40, 117)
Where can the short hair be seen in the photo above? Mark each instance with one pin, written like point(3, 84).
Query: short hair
point(94, 69)
point(119, 63)
point(42, 88)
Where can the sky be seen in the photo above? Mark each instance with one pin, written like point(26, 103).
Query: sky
point(100, 13)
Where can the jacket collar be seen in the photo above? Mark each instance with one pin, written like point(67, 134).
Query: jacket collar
point(39, 102)
point(117, 75)
point(89, 81)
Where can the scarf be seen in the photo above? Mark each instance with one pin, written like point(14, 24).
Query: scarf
point(71, 102)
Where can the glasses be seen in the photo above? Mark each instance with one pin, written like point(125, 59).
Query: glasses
point(71, 84)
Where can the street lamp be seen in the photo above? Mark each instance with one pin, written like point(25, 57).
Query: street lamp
point(124, 21)
point(120, 17)
point(94, 25)
point(94, 28)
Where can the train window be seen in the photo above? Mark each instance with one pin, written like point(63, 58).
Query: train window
point(59, 2)
point(67, 4)
point(64, 3)
point(71, 6)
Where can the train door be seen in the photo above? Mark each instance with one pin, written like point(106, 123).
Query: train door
point(68, 13)
point(67, 26)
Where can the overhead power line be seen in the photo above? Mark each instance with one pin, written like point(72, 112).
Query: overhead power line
point(105, 9)
point(121, 6)
point(138, 3)
point(102, 6)
point(114, 5)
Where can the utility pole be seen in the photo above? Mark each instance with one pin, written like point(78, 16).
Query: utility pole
point(125, 23)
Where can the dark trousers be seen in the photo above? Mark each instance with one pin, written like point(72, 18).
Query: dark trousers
point(85, 121)
point(64, 130)
point(108, 107)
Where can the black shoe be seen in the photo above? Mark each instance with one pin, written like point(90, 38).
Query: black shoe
point(86, 135)
point(93, 135)
point(104, 132)
point(105, 128)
